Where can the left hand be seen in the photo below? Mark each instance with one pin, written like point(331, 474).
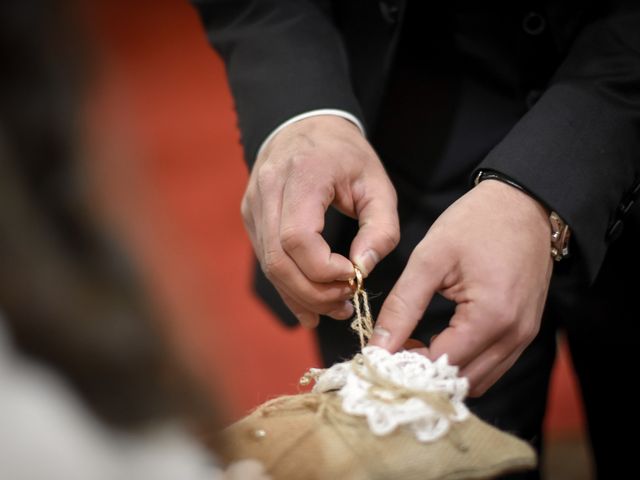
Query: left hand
point(489, 253)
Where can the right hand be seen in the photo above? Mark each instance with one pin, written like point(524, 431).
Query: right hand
point(308, 166)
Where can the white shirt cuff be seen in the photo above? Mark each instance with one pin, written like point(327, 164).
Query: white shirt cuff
point(312, 113)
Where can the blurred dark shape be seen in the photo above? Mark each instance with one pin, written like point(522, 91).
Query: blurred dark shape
point(64, 292)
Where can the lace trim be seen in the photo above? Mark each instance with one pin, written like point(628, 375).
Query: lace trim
point(396, 393)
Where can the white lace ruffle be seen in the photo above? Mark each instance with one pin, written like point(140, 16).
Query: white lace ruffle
point(383, 409)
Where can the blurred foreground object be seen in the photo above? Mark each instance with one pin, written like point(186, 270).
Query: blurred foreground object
point(90, 388)
point(47, 433)
point(66, 291)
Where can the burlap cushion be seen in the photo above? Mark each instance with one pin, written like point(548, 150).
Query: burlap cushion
point(307, 436)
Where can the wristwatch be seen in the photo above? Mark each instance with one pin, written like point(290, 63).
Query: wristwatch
point(560, 231)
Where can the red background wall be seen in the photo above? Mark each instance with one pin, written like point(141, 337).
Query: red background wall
point(166, 157)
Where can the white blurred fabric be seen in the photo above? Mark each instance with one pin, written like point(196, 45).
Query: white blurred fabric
point(47, 433)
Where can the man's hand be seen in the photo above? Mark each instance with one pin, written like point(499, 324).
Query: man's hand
point(308, 166)
point(489, 253)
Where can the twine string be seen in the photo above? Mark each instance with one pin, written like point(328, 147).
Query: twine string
point(362, 323)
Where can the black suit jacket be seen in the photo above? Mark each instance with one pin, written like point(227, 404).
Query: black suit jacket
point(546, 92)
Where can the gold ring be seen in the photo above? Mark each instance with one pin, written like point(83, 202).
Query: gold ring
point(356, 283)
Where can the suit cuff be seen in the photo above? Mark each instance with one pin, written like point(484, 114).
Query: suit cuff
point(313, 113)
point(578, 156)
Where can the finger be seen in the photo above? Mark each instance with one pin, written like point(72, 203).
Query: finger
point(248, 219)
point(306, 317)
point(468, 335)
point(488, 369)
point(304, 205)
point(343, 312)
point(340, 309)
point(405, 305)
point(379, 227)
point(305, 314)
point(281, 269)
point(266, 208)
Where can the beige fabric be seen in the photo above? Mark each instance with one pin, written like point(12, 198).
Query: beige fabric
point(309, 437)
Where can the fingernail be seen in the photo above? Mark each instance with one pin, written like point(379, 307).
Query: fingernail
point(348, 307)
point(381, 335)
point(366, 261)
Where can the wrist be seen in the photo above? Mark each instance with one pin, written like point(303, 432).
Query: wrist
point(557, 229)
point(323, 114)
point(517, 207)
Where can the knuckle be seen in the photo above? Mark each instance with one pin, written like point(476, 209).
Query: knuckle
point(390, 234)
point(364, 156)
point(502, 320)
point(273, 264)
point(266, 178)
point(527, 331)
point(248, 224)
point(245, 206)
point(397, 306)
point(301, 161)
point(422, 256)
point(502, 312)
point(315, 268)
point(307, 172)
point(292, 238)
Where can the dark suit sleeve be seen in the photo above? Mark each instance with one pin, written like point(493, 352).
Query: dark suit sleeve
point(578, 148)
point(283, 58)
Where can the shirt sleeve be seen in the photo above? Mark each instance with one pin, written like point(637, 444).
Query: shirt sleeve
point(314, 113)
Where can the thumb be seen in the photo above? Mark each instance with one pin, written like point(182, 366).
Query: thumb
point(379, 227)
